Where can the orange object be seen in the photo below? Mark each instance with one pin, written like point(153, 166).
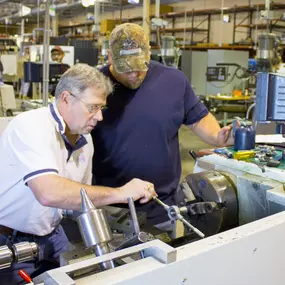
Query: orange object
point(237, 93)
point(24, 275)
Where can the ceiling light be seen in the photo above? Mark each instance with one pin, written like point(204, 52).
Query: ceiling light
point(25, 11)
point(86, 3)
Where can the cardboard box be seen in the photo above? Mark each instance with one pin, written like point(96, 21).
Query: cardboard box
point(108, 25)
point(164, 9)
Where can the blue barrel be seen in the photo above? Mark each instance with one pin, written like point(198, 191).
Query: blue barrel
point(244, 138)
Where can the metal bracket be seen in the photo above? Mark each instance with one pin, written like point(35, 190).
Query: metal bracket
point(156, 249)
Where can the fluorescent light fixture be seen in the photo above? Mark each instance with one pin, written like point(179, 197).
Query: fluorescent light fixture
point(25, 10)
point(133, 1)
point(52, 11)
point(226, 18)
point(86, 3)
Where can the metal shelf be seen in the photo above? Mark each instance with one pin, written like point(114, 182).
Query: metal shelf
point(180, 30)
point(207, 12)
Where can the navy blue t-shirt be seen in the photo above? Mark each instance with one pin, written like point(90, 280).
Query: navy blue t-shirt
point(138, 137)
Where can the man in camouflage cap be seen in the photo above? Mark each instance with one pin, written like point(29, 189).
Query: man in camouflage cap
point(129, 51)
point(139, 134)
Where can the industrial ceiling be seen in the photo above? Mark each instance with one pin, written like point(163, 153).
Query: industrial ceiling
point(67, 9)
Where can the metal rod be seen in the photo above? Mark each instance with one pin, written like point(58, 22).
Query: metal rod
point(101, 249)
point(250, 23)
point(97, 19)
point(195, 230)
point(256, 21)
point(202, 22)
point(38, 15)
point(192, 28)
point(184, 32)
point(222, 23)
point(209, 28)
point(46, 55)
point(134, 217)
point(243, 20)
point(234, 31)
point(157, 8)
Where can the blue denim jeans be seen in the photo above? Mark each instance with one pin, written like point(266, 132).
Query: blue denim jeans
point(50, 247)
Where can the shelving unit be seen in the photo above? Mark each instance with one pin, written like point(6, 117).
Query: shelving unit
point(192, 29)
point(271, 26)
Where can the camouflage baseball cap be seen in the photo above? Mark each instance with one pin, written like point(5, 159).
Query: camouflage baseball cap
point(129, 48)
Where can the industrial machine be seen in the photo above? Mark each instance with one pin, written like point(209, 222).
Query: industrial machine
point(225, 193)
point(222, 77)
point(170, 53)
point(268, 52)
point(237, 204)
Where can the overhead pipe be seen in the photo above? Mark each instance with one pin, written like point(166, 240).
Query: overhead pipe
point(46, 55)
point(38, 10)
point(97, 18)
point(157, 8)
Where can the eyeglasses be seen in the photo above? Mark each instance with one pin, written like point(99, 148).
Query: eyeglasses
point(92, 109)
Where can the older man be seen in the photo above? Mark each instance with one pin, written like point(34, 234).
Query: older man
point(46, 158)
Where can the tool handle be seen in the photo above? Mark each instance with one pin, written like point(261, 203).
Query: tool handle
point(166, 207)
point(24, 275)
point(193, 154)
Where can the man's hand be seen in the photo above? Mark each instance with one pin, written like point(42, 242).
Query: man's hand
point(209, 130)
point(225, 137)
point(138, 190)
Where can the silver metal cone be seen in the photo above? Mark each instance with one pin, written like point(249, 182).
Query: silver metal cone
point(86, 203)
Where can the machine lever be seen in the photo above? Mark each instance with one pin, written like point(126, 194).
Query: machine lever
point(134, 217)
point(166, 207)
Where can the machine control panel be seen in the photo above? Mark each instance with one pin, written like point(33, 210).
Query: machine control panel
point(217, 73)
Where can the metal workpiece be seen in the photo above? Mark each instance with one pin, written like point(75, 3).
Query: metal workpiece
point(24, 251)
point(6, 257)
point(20, 252)
point(92, 223)
point(94, 228)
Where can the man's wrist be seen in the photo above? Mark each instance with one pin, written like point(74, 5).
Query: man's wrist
point(118, 195)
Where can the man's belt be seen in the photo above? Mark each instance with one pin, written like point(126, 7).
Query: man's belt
point(8, 231)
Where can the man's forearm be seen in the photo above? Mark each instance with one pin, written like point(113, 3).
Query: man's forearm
point(207, 129)
point(59, 192)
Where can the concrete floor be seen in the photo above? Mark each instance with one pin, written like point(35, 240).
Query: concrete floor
point(189, 141)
